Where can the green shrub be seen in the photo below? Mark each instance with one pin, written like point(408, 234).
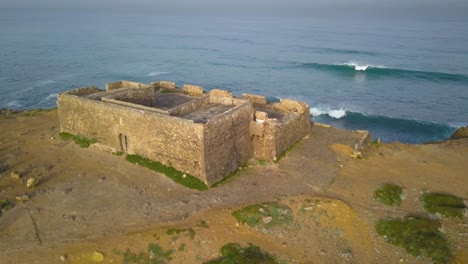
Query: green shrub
point(188, 231)
point(233, 253)
point(177, 176)
point(5, 205)
point(264, 215)
point(444, 204)
point(80, 140)
point(420, 237)
point(389, 194)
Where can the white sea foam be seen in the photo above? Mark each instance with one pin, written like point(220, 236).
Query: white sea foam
point(45, 82)
point(51, 96)
point(335, 113)
point(14, 104)
point(361, 67)
point(156, 73)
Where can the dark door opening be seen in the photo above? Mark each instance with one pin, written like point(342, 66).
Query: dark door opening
point(123, 142)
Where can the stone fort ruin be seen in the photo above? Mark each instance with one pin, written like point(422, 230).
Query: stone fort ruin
point(207, 135)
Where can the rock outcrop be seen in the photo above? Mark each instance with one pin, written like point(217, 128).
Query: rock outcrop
point(462, 132)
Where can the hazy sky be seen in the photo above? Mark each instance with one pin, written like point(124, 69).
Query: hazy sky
point(289, 7)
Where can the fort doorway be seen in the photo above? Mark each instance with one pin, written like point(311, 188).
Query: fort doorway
point(123, 143)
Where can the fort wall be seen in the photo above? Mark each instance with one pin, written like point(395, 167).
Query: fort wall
point(170, 140)
point(207, 135)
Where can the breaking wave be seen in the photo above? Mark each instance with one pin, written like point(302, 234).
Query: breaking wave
point(387, 128)
point(380, 71)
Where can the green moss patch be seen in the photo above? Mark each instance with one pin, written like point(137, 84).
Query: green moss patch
point(154, 255)
point(233, 253)
point(420, 237)
point(443, 204)
point(184, 179)
point(80, 140)
point(264, 215)
point(5, 205)
point(389, 194)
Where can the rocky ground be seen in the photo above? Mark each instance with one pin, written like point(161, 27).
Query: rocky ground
point(90, 206)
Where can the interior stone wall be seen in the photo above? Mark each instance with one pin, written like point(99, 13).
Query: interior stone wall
point(125, 84)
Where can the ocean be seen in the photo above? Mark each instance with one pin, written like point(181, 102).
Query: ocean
point(404, 80)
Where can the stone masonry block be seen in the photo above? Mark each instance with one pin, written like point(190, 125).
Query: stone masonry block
point(260, 116)
point(222, 93)
point(257, 129)
point(257, 99)
point(292, 106)
point(164, 85)
point(193, 89)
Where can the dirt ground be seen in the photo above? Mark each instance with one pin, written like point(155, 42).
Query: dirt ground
point(90, 201)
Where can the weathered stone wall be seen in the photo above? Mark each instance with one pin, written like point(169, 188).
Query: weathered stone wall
point(227, 142)
point(173, 141)
point(125, 84)
point(272, 137)
point(293, 129)
point(264, 136)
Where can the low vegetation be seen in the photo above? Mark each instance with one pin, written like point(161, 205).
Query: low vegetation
point(443, 204)
point(154, 255)
point(233, 253)
point(420, 237)
point(264, 215)
point(5, 205)
point(389, 194)
point(80, 140)
point(187, 231)
point(186, 180)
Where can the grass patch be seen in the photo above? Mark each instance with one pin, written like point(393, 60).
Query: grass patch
point(154, 255)
point(233, 253)
point(389, 194)
point(5, 205)
point(420, 237)
point(165, 91)
point(118, 153)
point(80, 140)
point(186, 180)
point(188, 231)
point(446, 205)
point(376, 144)
point(264, 215)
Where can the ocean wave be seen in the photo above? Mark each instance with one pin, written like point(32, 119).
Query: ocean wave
point(44, 82)
point(335, 113)
point(157, 73)
point(361, 67)
point(385, 127)
point(381, 71)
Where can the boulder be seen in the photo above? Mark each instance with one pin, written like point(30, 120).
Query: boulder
point(32, 182)
point(462, 132)
point(15, 175)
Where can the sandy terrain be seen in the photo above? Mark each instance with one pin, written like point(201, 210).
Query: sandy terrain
point(88, 200)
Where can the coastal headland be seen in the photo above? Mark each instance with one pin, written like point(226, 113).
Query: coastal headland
point(315, 204)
